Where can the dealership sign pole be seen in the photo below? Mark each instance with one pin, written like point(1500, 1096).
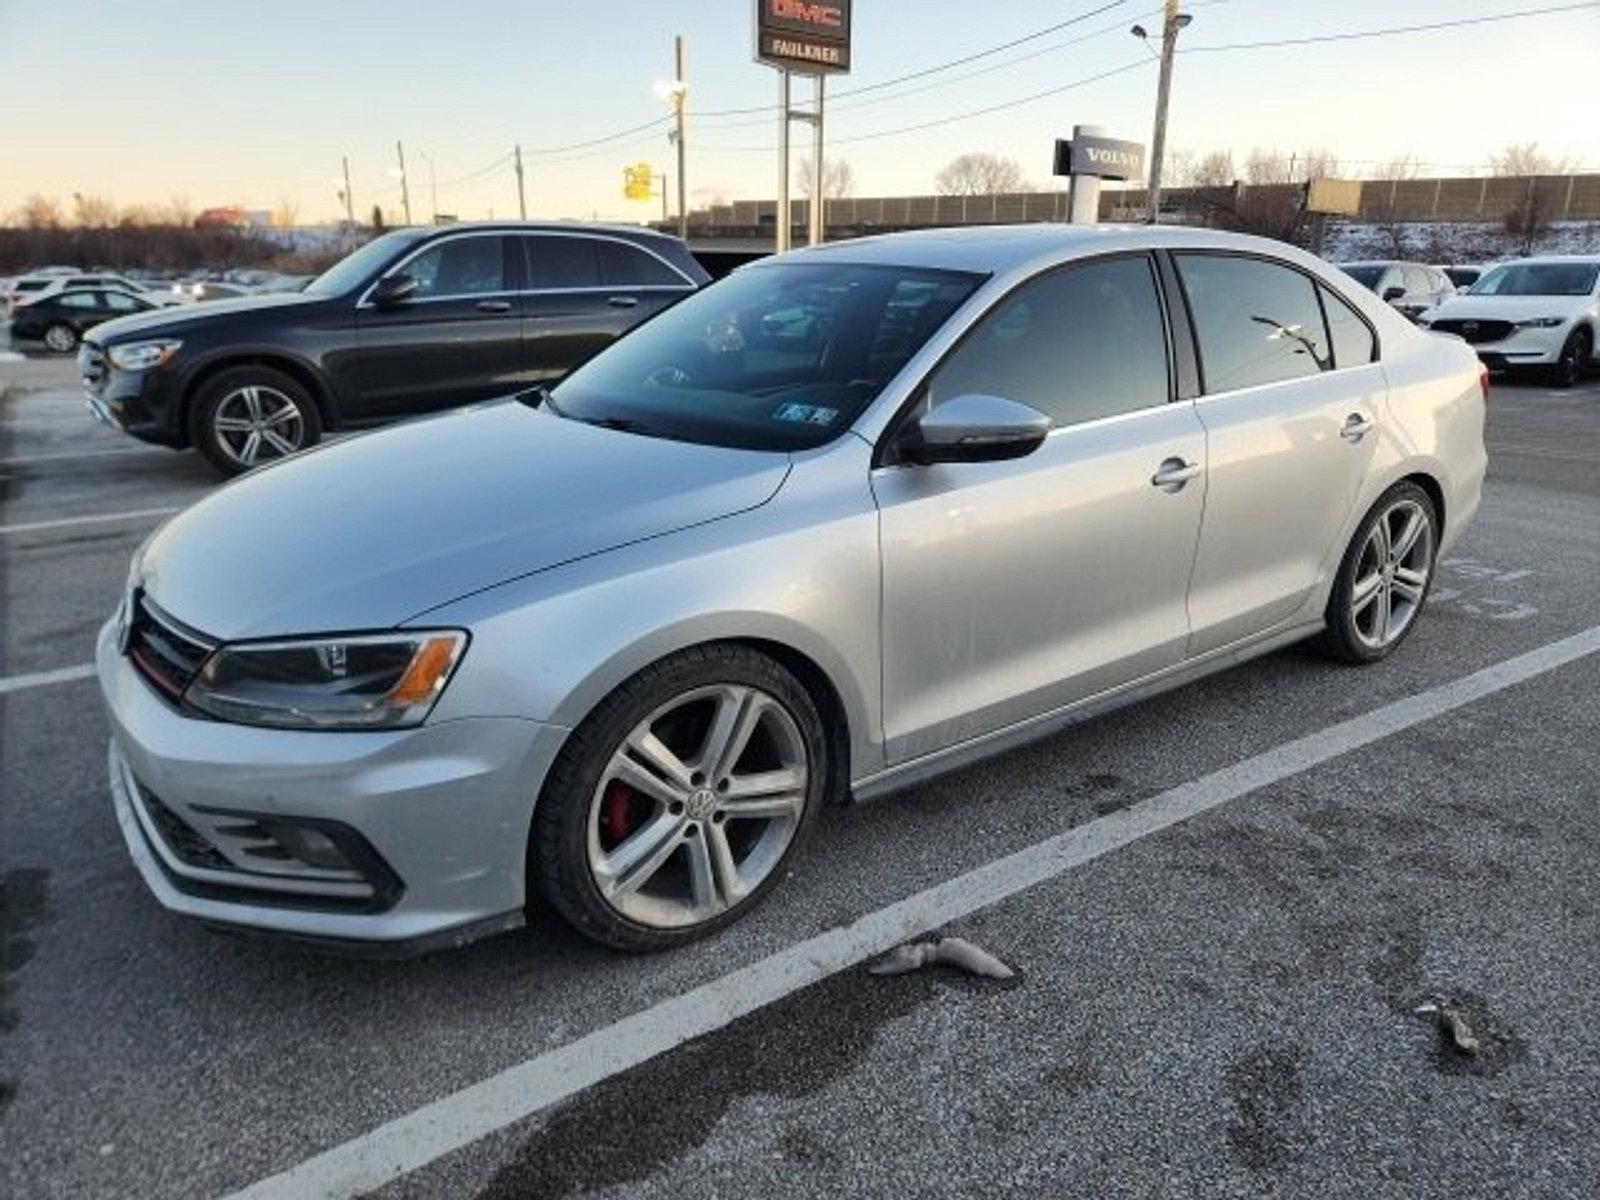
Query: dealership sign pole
point(800, 37)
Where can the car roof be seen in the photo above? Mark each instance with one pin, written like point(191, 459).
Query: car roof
point(997, 249)
point(1588, 260)
point(639, 232)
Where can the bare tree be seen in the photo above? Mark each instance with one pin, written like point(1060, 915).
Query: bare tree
point(838, 178)
point(1525, 158)
point(1275, 166)
point(40, 212)
point(1214, 170)
point(1400, 167)
point(979, 174)
point(92, 212)
point(178, 211)
point(286, 214)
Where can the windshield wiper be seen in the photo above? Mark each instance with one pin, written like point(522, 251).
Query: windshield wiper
point(621, 425)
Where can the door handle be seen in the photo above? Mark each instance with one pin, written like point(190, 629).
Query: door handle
point(1355, 428)
point(1173, 473)
point(494, 306)
point(622, 301)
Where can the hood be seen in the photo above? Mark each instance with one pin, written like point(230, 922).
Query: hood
point(1507, 308)
point(366, 533)
point(175, 319)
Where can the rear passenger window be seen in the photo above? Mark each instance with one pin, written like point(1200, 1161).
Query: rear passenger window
point(622, 265)
point(1353, 343)
point(1257, 322)
point(555, 262)
point(1076, 344)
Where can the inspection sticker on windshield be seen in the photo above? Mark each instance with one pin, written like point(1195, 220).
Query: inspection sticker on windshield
point(806, 414)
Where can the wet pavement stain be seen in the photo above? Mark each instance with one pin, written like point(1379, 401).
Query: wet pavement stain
point(620, 1130)
point(22, 908)
point(1268, 1091)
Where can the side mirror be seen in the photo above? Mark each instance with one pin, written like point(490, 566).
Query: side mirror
point(1393, 292)
point(973, 428)
point(393, 291)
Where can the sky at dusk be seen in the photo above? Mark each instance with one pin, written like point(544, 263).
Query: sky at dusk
point(226, 102)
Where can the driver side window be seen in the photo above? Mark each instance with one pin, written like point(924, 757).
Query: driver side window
point(469, 266)
point(1077, 343)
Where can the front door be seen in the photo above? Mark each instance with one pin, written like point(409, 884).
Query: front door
point(456, 340)
point(1014, 588)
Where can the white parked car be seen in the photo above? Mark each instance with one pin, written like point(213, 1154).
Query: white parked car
point(33, 287)
point(1542, 313)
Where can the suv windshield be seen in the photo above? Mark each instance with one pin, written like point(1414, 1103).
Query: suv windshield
point(358, 265)
point(1539, 279)
point(1366, 274)
point(778, 357)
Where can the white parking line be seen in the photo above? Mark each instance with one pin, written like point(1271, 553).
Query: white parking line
point(21, 683)
point(406, 1143)
point(67, 455)
point(137, 514)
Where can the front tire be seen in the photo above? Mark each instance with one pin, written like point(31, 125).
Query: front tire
point(1384, 578)
point(246, 417)
point(61, 338)
point(1574, 359)
point(674, 806)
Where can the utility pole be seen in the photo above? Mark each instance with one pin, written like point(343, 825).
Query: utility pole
point(405, 186)
point(1171, 22)
point(522, 196)
point(349, 204)
point(814, 226)
point(781, 221)
point(662, 180)
point(680, 97)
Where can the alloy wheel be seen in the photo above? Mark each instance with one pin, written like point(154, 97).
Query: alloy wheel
point(60, 338)
point(1392, 573)
point(697, 806)
point(257, 424)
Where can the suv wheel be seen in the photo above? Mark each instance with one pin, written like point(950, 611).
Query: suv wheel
point(674, 806)
point(246, 417)
point(61, 337)
point(1575, 354)
point(1384, 579)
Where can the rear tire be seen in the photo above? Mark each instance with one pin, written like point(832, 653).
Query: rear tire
point(1384, 578)
point(246, 417)
point(658, 823)
point(61, 338)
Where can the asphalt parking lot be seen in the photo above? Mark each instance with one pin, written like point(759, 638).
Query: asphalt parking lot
point(1224, 1004)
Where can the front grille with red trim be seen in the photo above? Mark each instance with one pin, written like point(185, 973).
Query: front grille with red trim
point(166, 652)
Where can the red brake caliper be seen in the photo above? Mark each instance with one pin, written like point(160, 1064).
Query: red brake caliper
point(614, 813)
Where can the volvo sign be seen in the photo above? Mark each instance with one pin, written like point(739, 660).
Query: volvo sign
point(810, 37)
point(1103, 157)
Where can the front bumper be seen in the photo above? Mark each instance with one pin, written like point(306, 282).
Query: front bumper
point(444, 810)
point(146, 404)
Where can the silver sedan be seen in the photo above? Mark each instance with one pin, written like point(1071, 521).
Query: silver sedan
point(848, 518)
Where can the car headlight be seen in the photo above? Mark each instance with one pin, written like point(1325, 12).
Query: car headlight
point(1540, 322)
point(385, 681)
point(141, 356)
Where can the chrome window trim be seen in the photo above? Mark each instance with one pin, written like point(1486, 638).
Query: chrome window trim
point(607, 237)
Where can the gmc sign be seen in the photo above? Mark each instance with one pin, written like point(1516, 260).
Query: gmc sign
point(808, 36)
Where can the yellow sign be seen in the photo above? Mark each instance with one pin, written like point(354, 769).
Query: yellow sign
point(636, 181)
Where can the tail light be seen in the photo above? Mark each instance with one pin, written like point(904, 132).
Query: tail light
point(1483, 380)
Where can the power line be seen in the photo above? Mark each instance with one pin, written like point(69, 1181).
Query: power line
point(1393, 30)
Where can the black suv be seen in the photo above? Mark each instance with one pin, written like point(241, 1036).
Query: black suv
point(416, 320)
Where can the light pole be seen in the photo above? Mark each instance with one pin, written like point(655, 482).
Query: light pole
point(405, 186)
point(676, 94)
point(1171, 21)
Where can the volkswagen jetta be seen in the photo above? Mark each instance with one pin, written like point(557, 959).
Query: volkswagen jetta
point(847, 518)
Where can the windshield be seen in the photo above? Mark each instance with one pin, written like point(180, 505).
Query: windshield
point(779, 357)
point(1366, 274)
point(31, 285)
point(356, 266)
point(1539, 279)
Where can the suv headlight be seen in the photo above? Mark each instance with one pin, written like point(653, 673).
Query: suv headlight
point(141, 356)
point(385, 681)
point(1540, 323)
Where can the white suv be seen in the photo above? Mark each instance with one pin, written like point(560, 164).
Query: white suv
point(1534, 312)
point(27, 289)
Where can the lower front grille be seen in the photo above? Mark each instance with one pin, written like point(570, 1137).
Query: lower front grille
point(1474, 331)
point(183, 839)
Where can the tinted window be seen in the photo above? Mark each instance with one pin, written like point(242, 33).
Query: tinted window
point(1353, 343)
point(467, 266)
point(78, 300)
point(123, 302)
point(1257, 322)
point(622, 265)
point(774, 357)
point(1076, 344)
point(79, 281)
point(30, 285)
point(1366, 274)
point(561, 262)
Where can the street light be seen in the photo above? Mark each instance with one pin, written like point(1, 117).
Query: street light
point(675, 92)
point(1172, 21)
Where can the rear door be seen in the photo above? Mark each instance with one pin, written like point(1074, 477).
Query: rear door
point(457, 340)
point(1290, 414)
